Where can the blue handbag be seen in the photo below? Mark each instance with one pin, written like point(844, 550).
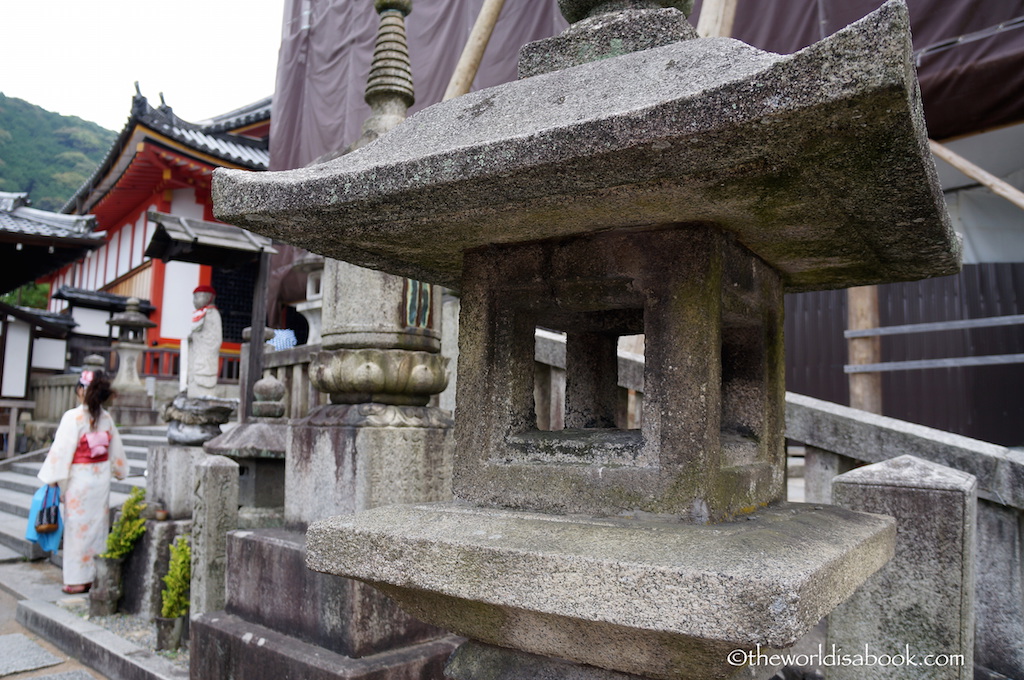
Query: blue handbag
point(45, 497)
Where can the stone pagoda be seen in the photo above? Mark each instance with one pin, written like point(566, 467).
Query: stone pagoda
point(636, 179)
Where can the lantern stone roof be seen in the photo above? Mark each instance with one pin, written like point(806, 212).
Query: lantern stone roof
point(814, 161)
point(94, 299)
point(195, 147)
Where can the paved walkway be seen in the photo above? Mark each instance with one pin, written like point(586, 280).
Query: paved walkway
point(24, 654)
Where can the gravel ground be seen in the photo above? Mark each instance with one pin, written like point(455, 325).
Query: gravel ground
point(135, 629)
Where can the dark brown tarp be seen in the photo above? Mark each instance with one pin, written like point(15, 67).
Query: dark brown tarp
point(325, 58)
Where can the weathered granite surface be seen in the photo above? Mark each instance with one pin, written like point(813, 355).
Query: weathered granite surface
point(830, 181)
point(643, 595)
point(215, 514)
point(605, 35)
point(348, 458)
point(923, 600)
point(710, 444)
point(171, 478)
point(270, 585)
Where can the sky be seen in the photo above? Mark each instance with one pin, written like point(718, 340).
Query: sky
point(82, 57)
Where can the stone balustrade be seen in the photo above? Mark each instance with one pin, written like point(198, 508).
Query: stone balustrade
point(291, 367)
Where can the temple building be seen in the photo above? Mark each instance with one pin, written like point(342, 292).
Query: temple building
point(160, 167)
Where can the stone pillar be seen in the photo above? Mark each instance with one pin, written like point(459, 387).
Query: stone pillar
point(170, 478)
point(999, 633)
point(820, 468)
point(215, 514)
point(258, 447)
point(311, 307)
point(377, 442)
point(922, 602)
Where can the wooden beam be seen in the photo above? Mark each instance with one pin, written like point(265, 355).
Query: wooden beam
point(862, 313)
point(473, 52)
point(998, 186)
point(716, 18)
point(256, 342)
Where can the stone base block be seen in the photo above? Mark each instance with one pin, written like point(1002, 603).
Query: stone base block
point(476, 661)
point(644, 595)
point(922, 602)
point(225, 647)
point(270, 583)
point(999, 571)
point(170, 478)
point(343, 459)
point(135, 417)
point(145, 567)
point(260, 518)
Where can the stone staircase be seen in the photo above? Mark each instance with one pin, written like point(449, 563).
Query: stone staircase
point(18, 482)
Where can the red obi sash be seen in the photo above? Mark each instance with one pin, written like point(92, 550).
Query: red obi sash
point(92, 448)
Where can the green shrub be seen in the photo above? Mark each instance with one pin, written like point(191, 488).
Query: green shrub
point(128, 527)
point(179, 576)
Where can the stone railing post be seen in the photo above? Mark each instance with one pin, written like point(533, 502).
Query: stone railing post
point(214, 514)
point(922, 602)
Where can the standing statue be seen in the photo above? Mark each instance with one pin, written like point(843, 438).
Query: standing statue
point(204, 340)
point(196, 414)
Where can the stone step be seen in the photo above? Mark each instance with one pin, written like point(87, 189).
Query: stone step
point(136, 452)
point(145, 439)
point(136, 468)
point(16, 481)
point(9, 555)
point(12, 537)
point(16, 502)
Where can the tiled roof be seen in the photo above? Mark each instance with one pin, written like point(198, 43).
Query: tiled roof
point(34, 243)
point(241, 117)
point(52, 325)
point(251, 153)
point(212, 138)
point(97, 299)
point(17, 218)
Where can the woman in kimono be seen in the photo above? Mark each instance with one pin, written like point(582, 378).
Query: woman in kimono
point(86, 451)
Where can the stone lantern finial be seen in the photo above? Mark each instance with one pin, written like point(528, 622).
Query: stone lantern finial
point(607, 28)
point(577, 10)
point(389, 88)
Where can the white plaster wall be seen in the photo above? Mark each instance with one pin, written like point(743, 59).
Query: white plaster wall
point(13, 384)
point(91, 321)
point(141, 240)
point(48, 354)
point(124, 254)
point(113, 246)
point(180, 279)
point(183, 203)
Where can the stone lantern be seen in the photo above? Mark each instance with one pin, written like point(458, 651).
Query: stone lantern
point(635, 179)
point(311, 308)
point(131, 327)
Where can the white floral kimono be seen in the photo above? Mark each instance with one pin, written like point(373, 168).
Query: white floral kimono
point(85, 490)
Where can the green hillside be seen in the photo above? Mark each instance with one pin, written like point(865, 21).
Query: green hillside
point(46, 154)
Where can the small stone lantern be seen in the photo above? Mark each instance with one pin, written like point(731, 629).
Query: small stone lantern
point(131, 327)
